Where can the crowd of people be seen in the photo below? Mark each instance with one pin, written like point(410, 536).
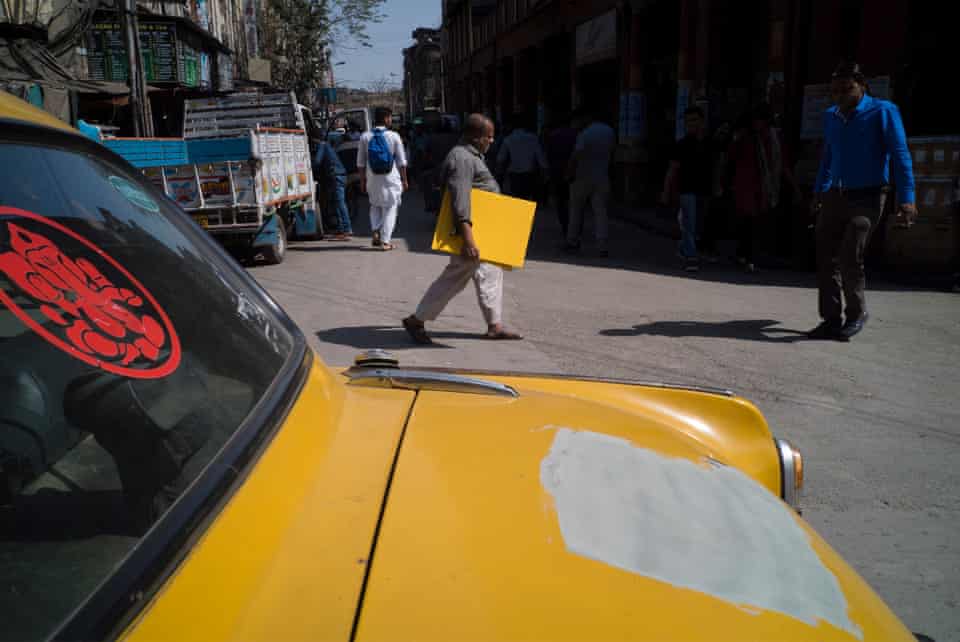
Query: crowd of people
point(571, 162)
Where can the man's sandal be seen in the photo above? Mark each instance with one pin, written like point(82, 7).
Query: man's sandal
point(502, 335)
point(417, 332)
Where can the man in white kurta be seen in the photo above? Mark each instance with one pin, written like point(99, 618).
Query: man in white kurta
point(384, 190)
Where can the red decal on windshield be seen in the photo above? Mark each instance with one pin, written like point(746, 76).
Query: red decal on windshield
point(115, 325)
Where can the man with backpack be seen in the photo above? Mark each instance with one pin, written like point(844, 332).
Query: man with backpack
point(382, 162)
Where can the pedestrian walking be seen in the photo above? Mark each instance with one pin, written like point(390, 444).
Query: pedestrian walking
point(559, 149)
point(332, 176)
point(383, 176)
point(589, 168)
point(465, 169)
point(757, 160)
point(862, 137)
point(688, 183)
point(521, 160)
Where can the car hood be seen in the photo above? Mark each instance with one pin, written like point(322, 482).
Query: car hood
point(576, 510)
point(557, 516)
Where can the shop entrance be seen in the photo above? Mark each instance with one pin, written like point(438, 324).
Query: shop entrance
point(555, 67)
point(598, 87)
point(923, 81)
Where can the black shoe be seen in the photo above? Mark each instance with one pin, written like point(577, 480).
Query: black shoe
point(691, 265)
point(571, 248)
point(826, 330)
point(853, 326)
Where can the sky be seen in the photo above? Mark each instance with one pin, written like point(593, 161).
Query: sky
point(362, 65)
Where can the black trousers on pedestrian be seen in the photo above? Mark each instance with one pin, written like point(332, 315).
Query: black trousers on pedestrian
point(843, 231)
point(560, 187)
point(524, 185)
point(431, 189)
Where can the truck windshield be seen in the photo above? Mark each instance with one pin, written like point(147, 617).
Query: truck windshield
point(132, 353)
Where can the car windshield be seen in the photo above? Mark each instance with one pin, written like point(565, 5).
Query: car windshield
point(132, 354)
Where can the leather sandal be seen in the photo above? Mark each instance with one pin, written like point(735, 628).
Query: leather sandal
point(417, 332)
point(502, 335)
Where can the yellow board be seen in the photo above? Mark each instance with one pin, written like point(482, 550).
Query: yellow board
point(501, 227)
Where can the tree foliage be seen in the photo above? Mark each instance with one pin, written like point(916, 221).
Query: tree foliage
point(297, 36)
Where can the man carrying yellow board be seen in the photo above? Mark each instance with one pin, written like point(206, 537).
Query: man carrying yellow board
point(464, 169)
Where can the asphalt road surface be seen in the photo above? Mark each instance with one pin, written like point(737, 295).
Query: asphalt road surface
point(878, 419)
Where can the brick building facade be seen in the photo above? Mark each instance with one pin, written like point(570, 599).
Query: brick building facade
point(641, 62)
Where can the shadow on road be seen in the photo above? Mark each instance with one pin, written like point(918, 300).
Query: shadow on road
point(636, 249)
point(366, 337)
point(747, 330)
point(331, 247)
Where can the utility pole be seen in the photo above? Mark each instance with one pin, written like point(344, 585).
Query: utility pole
point(139, 105)
point(443, 85)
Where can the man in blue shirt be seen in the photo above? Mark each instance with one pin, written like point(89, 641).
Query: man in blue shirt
point(332, 176)
point(863, 136)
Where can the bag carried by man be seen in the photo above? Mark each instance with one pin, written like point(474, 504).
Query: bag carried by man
point(379, 155)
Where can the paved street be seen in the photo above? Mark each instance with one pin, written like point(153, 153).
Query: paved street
point(877, 419)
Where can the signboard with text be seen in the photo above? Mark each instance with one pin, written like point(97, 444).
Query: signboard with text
point(158, 48)
point(106, 53)
point(597, 39)
point(224, 72)
point(166, 52)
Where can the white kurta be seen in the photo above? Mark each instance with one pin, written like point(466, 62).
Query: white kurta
point(384, 190)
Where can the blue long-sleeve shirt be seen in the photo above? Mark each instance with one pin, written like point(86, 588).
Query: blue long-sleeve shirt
point(858, 149)
point(326, 163)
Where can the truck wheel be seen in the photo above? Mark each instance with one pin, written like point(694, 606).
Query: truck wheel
point(273, 254)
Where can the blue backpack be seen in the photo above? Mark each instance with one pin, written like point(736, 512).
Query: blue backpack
point(379, 156)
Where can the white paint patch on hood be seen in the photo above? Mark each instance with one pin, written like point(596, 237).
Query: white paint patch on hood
point(706, 528)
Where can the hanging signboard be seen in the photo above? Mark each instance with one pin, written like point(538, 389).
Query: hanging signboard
point(106, 53)
point(224, 72)
point(597, 39)
point(205, 70)
point(168, 53)
point(188, 64)
point(158, 47)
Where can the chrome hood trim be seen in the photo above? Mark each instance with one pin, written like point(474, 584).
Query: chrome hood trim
point(409, 379)
point(723, 392)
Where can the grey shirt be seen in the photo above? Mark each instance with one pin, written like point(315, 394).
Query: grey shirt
point(463, 170)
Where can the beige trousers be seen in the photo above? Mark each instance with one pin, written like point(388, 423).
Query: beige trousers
point(487, 278)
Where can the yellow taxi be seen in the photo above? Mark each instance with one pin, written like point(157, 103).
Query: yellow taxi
point(177, 464)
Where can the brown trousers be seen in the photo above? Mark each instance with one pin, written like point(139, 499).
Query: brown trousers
point(843, 231)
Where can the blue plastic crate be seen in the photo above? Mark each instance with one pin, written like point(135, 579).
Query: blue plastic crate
point(152, 152)
point(218, 150)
